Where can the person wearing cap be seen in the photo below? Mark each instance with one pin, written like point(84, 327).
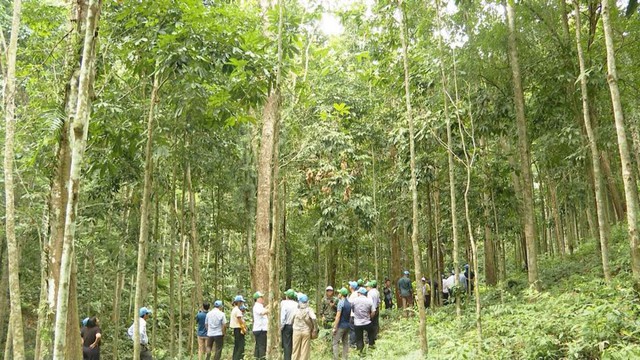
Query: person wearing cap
point(406, 291)
point(260, 325)
point(469, 277)
point(353, 290)
point(145, 351)
point(448, 284)
point(374, 295)
point(362, 309)
point(238, 326)
point(216, 325)
point(388, 294)
point(329, 308)
point(341, 326)
point(288, 308)
point(91, 338)
point(303, 324)
point(201, 317)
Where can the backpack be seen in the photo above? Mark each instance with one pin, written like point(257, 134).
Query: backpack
point(313, 325)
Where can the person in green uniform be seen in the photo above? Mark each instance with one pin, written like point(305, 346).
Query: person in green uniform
point(329, 308)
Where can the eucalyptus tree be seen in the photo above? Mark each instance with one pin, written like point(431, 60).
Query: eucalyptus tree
point(9, 53)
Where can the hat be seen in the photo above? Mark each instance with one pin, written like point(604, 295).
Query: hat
point(343, 292)
point(368, 284)
point(424, 279)
point(217, 303)
point(360, 282)
point(362, 291)
point(257, 295)
point(373, 283)
point(329, 288)
point(144, 311)
point(290, 293)
point(238, 298)
point(406, 272)
point(85, 321)
point(303, 298)
point(243, 307)
point(353, 284)
point(466, 266)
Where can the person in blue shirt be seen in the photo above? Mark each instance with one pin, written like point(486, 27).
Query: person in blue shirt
point(201, 317)
point(341, 326)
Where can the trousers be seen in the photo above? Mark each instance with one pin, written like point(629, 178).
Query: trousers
point(287, 341)
point(342, 334)
point(238, 344)
point(260, 351)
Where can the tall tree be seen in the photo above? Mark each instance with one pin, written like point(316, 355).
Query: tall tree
point(523, 150)
point(144, 212)
point(630, 186)
point(595, 154)
point(417, 258)
point(79, 132)
point(13, 252)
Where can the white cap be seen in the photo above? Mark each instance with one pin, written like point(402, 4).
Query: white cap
point(329, 288)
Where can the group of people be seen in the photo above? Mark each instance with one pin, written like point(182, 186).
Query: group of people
point(349, 313)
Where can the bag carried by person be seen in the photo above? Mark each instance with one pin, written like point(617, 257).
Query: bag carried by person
point(313, 325)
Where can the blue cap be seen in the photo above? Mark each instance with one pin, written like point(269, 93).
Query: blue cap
point(303, 298)
point(85, 321)
point(362, 291)
point(243, 307)
point(466, 266)
point(406, 272)
point(144, 311)
point(217, 303)
point(353, 284)
point(238, 298)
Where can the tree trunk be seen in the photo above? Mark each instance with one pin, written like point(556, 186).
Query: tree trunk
point(616, 200)
point(630, 186)
point(79, 127)
point(414, 183)
point(172, 264)
point(523, 149)
point(13, 250)
point(144, 216)
point(595, 154)
point(195, 247)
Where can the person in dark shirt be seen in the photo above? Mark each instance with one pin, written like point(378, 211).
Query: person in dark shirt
point(91, 336)
point(201, 316)
point(388, 294)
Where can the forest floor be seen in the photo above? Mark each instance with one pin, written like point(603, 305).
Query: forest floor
point(575, 316)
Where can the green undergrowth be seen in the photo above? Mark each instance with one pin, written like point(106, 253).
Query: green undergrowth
point(575, 316)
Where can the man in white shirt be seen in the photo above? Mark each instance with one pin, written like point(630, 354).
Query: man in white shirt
point(374, 295)
point(216, 324)
point(288, 308)
point(447, 285)
point(362, 310)
point(260, 326)
point(145, 352)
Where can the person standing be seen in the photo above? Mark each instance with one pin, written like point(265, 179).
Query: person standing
point(145, 350)
point(374, 295)
point(288, 308)
point(426, 293)
point(302, 327)
point(91, 338)
point(329, 308)
point(341, 326)
point(201, 318)
point(260, 326)
point(388, 294)
point(406, 291)
point(362, 309)
point(353, 288)
point(216, 326)
point(447, 285)
point(239, 328)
